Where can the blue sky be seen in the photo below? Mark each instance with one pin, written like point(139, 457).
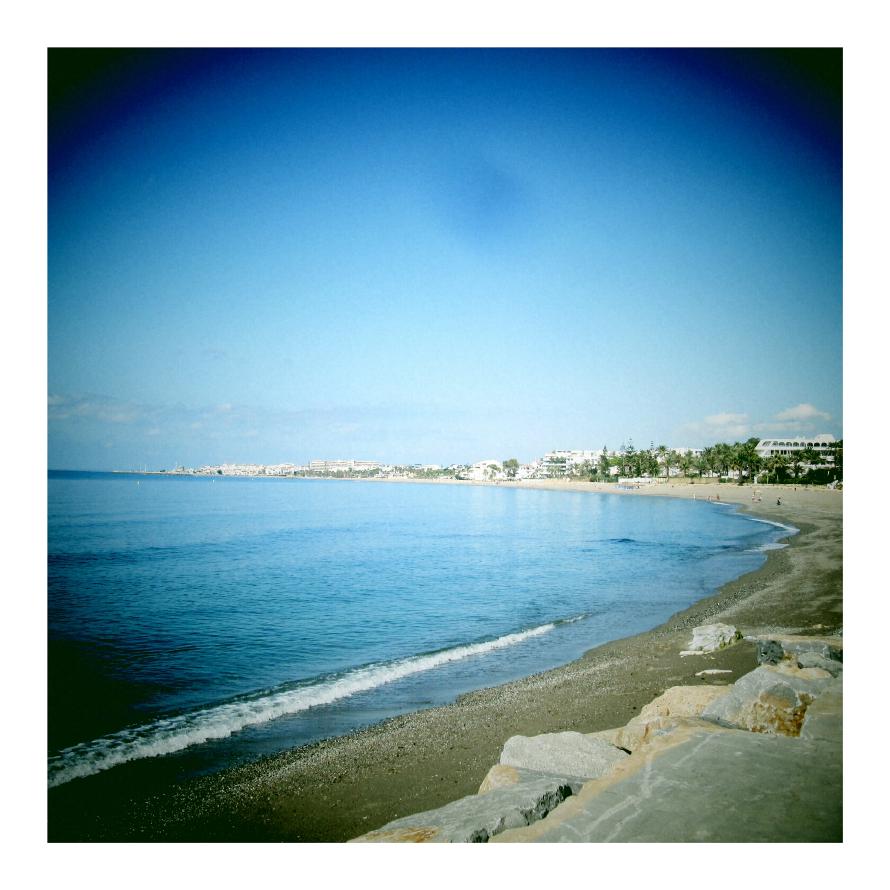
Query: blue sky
point(439, 256)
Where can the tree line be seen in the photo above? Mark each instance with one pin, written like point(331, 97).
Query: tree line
point(739, 459)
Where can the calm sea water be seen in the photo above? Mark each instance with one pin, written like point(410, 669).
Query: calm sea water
point(214, 620)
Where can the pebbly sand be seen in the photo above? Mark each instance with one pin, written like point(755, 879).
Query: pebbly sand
point(342, 787)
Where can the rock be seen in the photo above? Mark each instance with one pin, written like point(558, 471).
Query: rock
point(707, 783)
point(824, 718)
point(790, 669)
point(709, 637)
point(769, 652)
point(476, 818)
point(659, 716)
point(775, 648)
point(499, 776)
point(607, 735)
point(562, 753)
point(407, 835)
point(769, 699)
point(682, 701)
point(503, 776)
point(811, 659)
point(642, 730)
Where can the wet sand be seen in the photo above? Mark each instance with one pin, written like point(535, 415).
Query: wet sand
point(343, 787)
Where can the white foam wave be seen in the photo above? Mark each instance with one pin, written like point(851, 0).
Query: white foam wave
point(773, 545)
point(171, 734)
point(788, 528)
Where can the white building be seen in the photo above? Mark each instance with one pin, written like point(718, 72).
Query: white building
point(822, 444)
point(484, 470)
point(332, 466)
point(558, 463)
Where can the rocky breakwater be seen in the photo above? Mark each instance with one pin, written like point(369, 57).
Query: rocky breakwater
point(757, 760)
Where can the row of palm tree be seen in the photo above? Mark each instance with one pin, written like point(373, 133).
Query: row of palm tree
point(721, 459)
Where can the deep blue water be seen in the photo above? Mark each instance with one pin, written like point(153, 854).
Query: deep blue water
point(212, 620)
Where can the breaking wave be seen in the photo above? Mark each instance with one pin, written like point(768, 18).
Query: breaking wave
point(170, 734)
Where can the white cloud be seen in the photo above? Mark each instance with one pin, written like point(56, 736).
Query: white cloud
point(774, 427)
point(726, 426)
point(726, 419)
point(101, 408)
point(803, 412)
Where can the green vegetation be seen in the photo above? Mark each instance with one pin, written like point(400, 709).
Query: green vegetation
point(738, 462)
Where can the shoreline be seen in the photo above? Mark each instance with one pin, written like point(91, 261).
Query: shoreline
point(344, 786)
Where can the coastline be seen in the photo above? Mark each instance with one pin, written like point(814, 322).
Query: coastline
point(344, 786)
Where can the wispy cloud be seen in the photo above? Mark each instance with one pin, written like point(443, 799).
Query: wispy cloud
point(802, 412)
point(101, 419)
point(102, 408)
point(726, 425)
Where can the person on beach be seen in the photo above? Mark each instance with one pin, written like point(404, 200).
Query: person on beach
point(778, 502)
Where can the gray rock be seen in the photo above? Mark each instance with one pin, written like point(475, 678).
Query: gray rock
point(769, 652)
point(770, 699)
point(811, 659)
point(824, 720)
point(476, 818)
point(562, 753)
point(503, 776)
point(709, 637)
point(659, 717)
point(710, 784)
point(775, 648)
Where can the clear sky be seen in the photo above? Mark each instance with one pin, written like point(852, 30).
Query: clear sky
point(439, 256)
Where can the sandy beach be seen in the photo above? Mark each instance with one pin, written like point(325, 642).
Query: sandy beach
point(342, 787)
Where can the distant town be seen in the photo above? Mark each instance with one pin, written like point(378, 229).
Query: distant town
point(815, 459)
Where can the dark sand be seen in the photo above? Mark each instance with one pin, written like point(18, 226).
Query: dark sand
point(343, 787)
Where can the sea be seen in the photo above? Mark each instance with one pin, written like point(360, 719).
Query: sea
point(199, 623)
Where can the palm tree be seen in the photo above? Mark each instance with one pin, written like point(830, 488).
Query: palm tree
point(670, 459)
point(662, 454)
point(707, 461)
point(777, 466)
point(837, 452)
point(748, 458)
point(723, 457)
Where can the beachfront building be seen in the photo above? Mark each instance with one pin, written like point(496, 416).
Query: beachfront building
point(823, 445)
point(485, 470)
point(564, 463)
point(533, 470)
point(343, 466)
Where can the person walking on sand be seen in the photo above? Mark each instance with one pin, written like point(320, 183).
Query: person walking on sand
point(778, 502)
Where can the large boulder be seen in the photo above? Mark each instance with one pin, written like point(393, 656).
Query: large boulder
point(503, 776)
point(659, 716)
point(477, 818)
point(774, 648)
point(562, 753)
point(683, 701)
point(771, 699)
point(710, 637)
point(607, 735)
